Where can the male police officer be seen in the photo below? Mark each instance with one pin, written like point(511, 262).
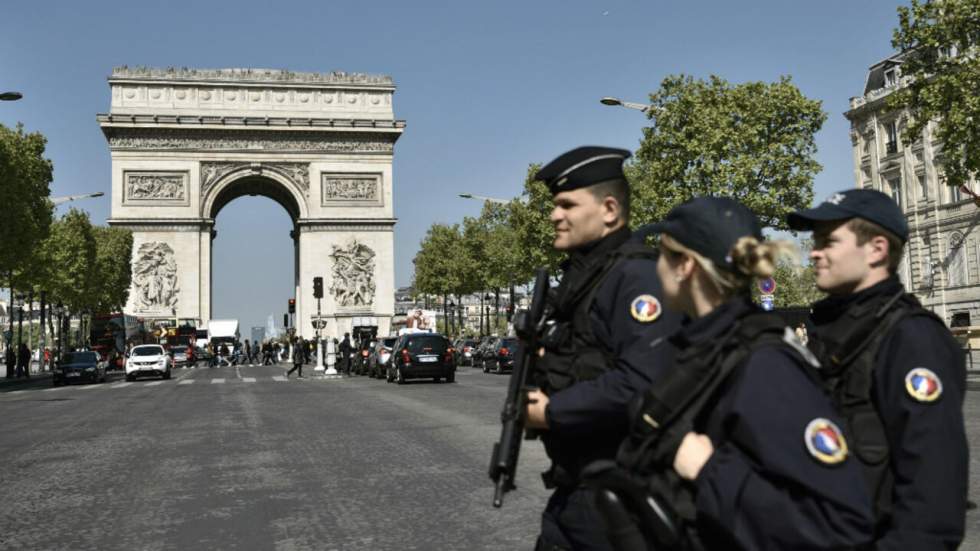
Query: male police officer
point(894, 369)
point(605, 310)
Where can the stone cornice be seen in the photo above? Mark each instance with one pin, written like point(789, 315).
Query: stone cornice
point(248, 140)
point(169, 224)
point(113, 120)
point(244, 75)
point(346, 224)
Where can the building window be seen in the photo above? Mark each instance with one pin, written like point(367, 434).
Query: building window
point(894, 188)
point(891, 77)
point(956, 263)
point(954, 194)
point(891, 132)
point(927, 267)
point(923, 187)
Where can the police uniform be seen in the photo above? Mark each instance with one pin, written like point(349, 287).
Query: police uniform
point(780, 475)
point(883, 350)
point(605, 309)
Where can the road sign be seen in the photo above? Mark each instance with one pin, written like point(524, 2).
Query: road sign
point(767, 286)
point(319, 324)
point(767, 304)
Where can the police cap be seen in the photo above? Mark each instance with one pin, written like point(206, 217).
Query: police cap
point(710, 226)
point(873, 206)
point(582, 167)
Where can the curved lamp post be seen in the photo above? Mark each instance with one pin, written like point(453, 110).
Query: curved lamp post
point(611, 101)
point(10, 96)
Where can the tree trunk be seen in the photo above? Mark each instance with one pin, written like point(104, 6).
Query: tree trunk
point(496, 308)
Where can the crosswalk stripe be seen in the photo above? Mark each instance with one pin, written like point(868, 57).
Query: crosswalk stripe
point(279, 378)
point(55, 388)
point(187, 382)
point(90, 387)
point(217, 381)
point(248, 379)
point(154, 383)
point(121, 385)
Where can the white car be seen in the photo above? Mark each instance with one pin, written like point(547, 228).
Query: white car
point(148, 359)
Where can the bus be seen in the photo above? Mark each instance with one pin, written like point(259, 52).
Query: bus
point(112, 333)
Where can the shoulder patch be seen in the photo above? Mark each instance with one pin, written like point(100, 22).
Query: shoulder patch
point(923, 385)
point(825, 441)
point(645, 308)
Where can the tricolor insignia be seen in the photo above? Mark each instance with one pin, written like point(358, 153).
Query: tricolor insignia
point(825, 442)
point(923, 385)
point(645, 308)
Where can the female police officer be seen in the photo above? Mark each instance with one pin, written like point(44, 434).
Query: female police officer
point(736, 446)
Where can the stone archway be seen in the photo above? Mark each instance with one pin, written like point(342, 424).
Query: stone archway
point(186, 142)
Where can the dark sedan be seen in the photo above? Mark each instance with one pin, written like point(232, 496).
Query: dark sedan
point(79, 367)
point(501, 357)
point(422, 355)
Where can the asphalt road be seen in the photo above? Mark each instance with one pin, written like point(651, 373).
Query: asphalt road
point(242, 459)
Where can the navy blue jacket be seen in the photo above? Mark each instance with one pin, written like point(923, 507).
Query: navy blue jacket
point(927, 441)
point(764, 487)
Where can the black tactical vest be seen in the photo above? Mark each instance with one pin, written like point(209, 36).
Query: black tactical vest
point(572, 351)
point(673, 407)
point(847, 349)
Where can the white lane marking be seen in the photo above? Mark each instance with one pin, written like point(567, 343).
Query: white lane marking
point(217, 381)
point(154, 383)
point(16, 391)
point(238, 374)
point(279, 378)
point(54, 388)
point(120, 385)
point(90, 387)
point(248, 379)
point(187, 382)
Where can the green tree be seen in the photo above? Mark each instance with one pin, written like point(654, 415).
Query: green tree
point(25, 175)
point(441, 263)
point(70, 255)
point(113, 251)
point(752, 141)
point(940, 43)
point(530, 218)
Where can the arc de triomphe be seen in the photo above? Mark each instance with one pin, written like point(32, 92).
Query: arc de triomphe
point(186, 142)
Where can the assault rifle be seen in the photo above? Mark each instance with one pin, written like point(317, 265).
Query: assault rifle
point(503, 460)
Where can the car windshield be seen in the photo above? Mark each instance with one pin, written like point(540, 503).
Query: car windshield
point(469, 343)
point(427, 345)
point(80, 357)
point(390, 342)
point(179, 350)
point(508, 343)
point(147, 351)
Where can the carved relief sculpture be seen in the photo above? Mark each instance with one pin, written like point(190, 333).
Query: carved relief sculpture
point(155, 277)
point(211, 172)
point(159, 186)
point(353, 275)
point(350, 188)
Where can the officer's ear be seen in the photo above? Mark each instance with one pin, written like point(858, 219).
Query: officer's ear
point(611, 210)
point(876, 251)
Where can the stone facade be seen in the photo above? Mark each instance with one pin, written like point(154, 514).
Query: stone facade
point(186, 142)
point(942, 260)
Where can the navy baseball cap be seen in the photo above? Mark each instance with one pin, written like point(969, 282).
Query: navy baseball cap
point(583, 167)
point(710, 226)
point(873, 206)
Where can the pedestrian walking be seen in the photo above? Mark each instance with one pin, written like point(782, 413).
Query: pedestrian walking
point(345, 350)
point(23, 361)
point(605, 311)
point(11, 361)
point(248, 353)
point(893, 368)
point(299, 358)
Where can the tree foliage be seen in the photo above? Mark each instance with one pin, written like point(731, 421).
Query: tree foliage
point(531, 219)
point(440, 262)
point(69, 253)
point(113, 251)
point(753, 142)
point(26, 211)
point(941, 66)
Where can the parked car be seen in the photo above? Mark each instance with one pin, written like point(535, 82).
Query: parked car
point(183, 356)
point(148, 359)
point(466, 352)
point(502, 357)
point(422, 355)
point(79, 367)
point(380, 356)
point(485, 348)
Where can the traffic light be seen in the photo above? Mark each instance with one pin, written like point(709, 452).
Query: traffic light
point(285, 320)
point(318, 287)
point(292, 306)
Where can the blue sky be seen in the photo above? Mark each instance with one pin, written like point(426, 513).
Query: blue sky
point(485, 88)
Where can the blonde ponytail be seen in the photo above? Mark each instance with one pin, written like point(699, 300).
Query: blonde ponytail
point(751, 259)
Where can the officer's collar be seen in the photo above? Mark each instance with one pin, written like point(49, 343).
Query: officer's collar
point(832, 307)
point(705, 328)
point(599, 247)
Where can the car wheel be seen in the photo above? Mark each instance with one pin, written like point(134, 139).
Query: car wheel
point(400, 377)
point(55, 383)
point(451, 378)
point(166, 374)
point(130, 378)
point(485, 369)
point(499, 369)
point(437, 379)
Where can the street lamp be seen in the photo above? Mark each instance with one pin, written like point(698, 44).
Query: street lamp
point(611, 101)
point(497, 200)
point(452, 317)
point(66, 198)
point(10, 96)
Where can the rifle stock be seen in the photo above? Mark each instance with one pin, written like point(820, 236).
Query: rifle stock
point(503, 459)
